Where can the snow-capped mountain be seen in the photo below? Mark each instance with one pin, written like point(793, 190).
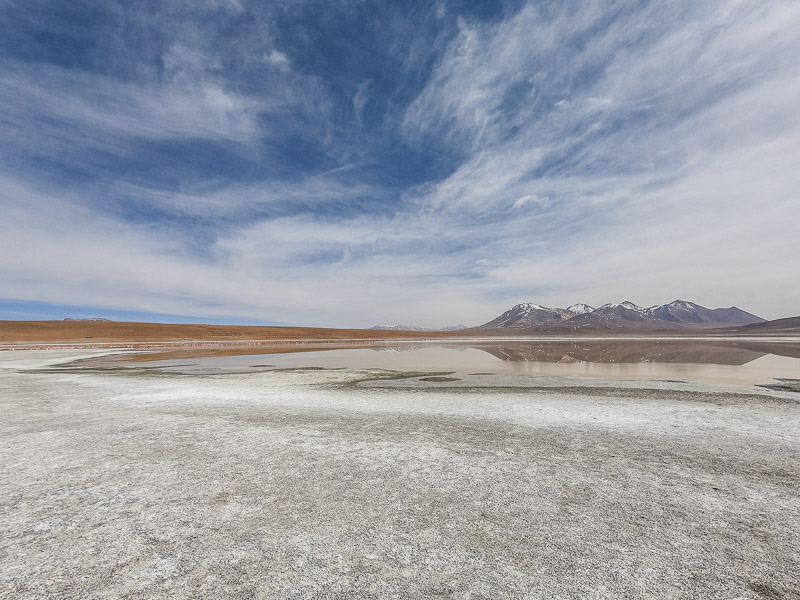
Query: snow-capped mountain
point(528, 315)
point(620, 316)
point(580, 309)
point(627, 304)
point(681, 311)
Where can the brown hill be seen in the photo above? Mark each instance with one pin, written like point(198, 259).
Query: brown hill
point(787, 326)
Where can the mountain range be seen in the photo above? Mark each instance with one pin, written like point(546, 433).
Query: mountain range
point(416, 328)
point(624, 316)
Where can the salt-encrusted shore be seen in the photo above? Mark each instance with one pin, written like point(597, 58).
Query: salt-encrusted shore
point(297, 484)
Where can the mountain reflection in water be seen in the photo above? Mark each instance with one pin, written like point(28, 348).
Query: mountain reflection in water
point(593, 350)
point(633, 352)
point(709, 360)
point(620, 351)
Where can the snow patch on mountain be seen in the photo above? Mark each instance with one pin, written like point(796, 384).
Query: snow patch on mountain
point(627, 304)
point(580, 308)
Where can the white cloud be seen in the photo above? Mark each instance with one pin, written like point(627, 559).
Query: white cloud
point(683, 200)
point(360, 99)
point(104, 112)
point(655, 159)
point(276, 58)
point(529, 199)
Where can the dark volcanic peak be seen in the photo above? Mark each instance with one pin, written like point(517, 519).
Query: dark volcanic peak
point(623, 316)
point(528, 315)
point(681, 311)
point(625, 312)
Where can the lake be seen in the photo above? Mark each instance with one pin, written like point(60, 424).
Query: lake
point(724, 361)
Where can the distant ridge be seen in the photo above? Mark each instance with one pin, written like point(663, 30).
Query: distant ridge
point(416, 328)
point(790, 325)
point(92, 319)
point(623, 316)
point(397, 328)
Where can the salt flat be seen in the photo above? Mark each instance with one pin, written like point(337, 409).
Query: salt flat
point(307, 483)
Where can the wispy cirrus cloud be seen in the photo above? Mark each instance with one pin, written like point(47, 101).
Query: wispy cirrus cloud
point(298, 172)
point(97, 111)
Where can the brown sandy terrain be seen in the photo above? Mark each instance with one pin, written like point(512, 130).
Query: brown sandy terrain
point(80, 332)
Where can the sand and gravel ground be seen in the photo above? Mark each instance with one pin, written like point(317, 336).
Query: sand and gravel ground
point(306, 484)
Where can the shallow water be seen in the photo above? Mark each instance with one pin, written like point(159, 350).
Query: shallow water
point(741, 363)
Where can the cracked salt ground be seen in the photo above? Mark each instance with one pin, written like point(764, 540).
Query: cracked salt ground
point(298, 484)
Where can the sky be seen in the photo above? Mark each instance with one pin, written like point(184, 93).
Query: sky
point(351, 163)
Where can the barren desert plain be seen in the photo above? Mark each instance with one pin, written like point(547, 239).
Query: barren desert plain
point(399, 467)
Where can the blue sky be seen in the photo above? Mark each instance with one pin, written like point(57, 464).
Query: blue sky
point(352, 163)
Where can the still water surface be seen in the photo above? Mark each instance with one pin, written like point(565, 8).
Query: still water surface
point(739, 363)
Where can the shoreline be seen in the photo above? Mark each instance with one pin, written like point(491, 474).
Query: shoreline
point(86, 334)
point(365, 341)
point(461, 371)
